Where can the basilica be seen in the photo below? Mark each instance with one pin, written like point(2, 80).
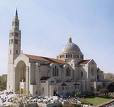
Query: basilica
point(43, 76)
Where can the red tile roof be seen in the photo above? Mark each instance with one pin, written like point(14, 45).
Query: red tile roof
point(46, 59)
point(84, 61)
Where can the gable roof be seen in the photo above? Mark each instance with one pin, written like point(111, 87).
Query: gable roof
point(45, 59)
point(84, 61)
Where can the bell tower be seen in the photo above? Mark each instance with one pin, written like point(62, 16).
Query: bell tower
point(14, 50)
point(14, 40)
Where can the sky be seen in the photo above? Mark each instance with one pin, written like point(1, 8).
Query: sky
point(46, 24)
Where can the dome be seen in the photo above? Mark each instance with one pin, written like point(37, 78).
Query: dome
point(71, 51)
point(71, 47)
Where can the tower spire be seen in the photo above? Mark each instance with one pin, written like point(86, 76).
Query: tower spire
point(16, 14)
point(16, 33)
point(15, 22)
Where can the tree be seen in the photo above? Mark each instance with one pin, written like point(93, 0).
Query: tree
point(109, 76)
point(104, 91)
point(2, 83)
point(110, 87)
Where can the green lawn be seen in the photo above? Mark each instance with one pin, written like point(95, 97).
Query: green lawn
point(95, 100)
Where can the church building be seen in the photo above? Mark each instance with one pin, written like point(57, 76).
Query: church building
point(38, 75)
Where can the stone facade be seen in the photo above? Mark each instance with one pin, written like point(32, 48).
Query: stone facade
point(43, 76)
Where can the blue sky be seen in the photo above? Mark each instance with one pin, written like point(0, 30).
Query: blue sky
point(45, 25)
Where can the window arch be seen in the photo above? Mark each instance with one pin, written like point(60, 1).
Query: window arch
point(55, 71)
point(68, 72)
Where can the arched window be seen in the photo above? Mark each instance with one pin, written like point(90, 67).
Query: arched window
point(10, 51)
point(16, 41)
point(68, 56)
point(16, 34)
point(55, 71)
point(81, 74)
point(92, 71)
point(68, 72)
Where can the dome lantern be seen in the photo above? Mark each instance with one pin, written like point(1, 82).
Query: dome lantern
point(70, 40)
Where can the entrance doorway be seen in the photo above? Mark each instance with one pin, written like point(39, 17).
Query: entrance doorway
point(20, 77)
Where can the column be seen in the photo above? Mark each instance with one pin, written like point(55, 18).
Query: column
point(14, 79)
point(37, 73)
point(27, 80)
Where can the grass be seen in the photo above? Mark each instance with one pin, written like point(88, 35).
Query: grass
point(95, 100)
